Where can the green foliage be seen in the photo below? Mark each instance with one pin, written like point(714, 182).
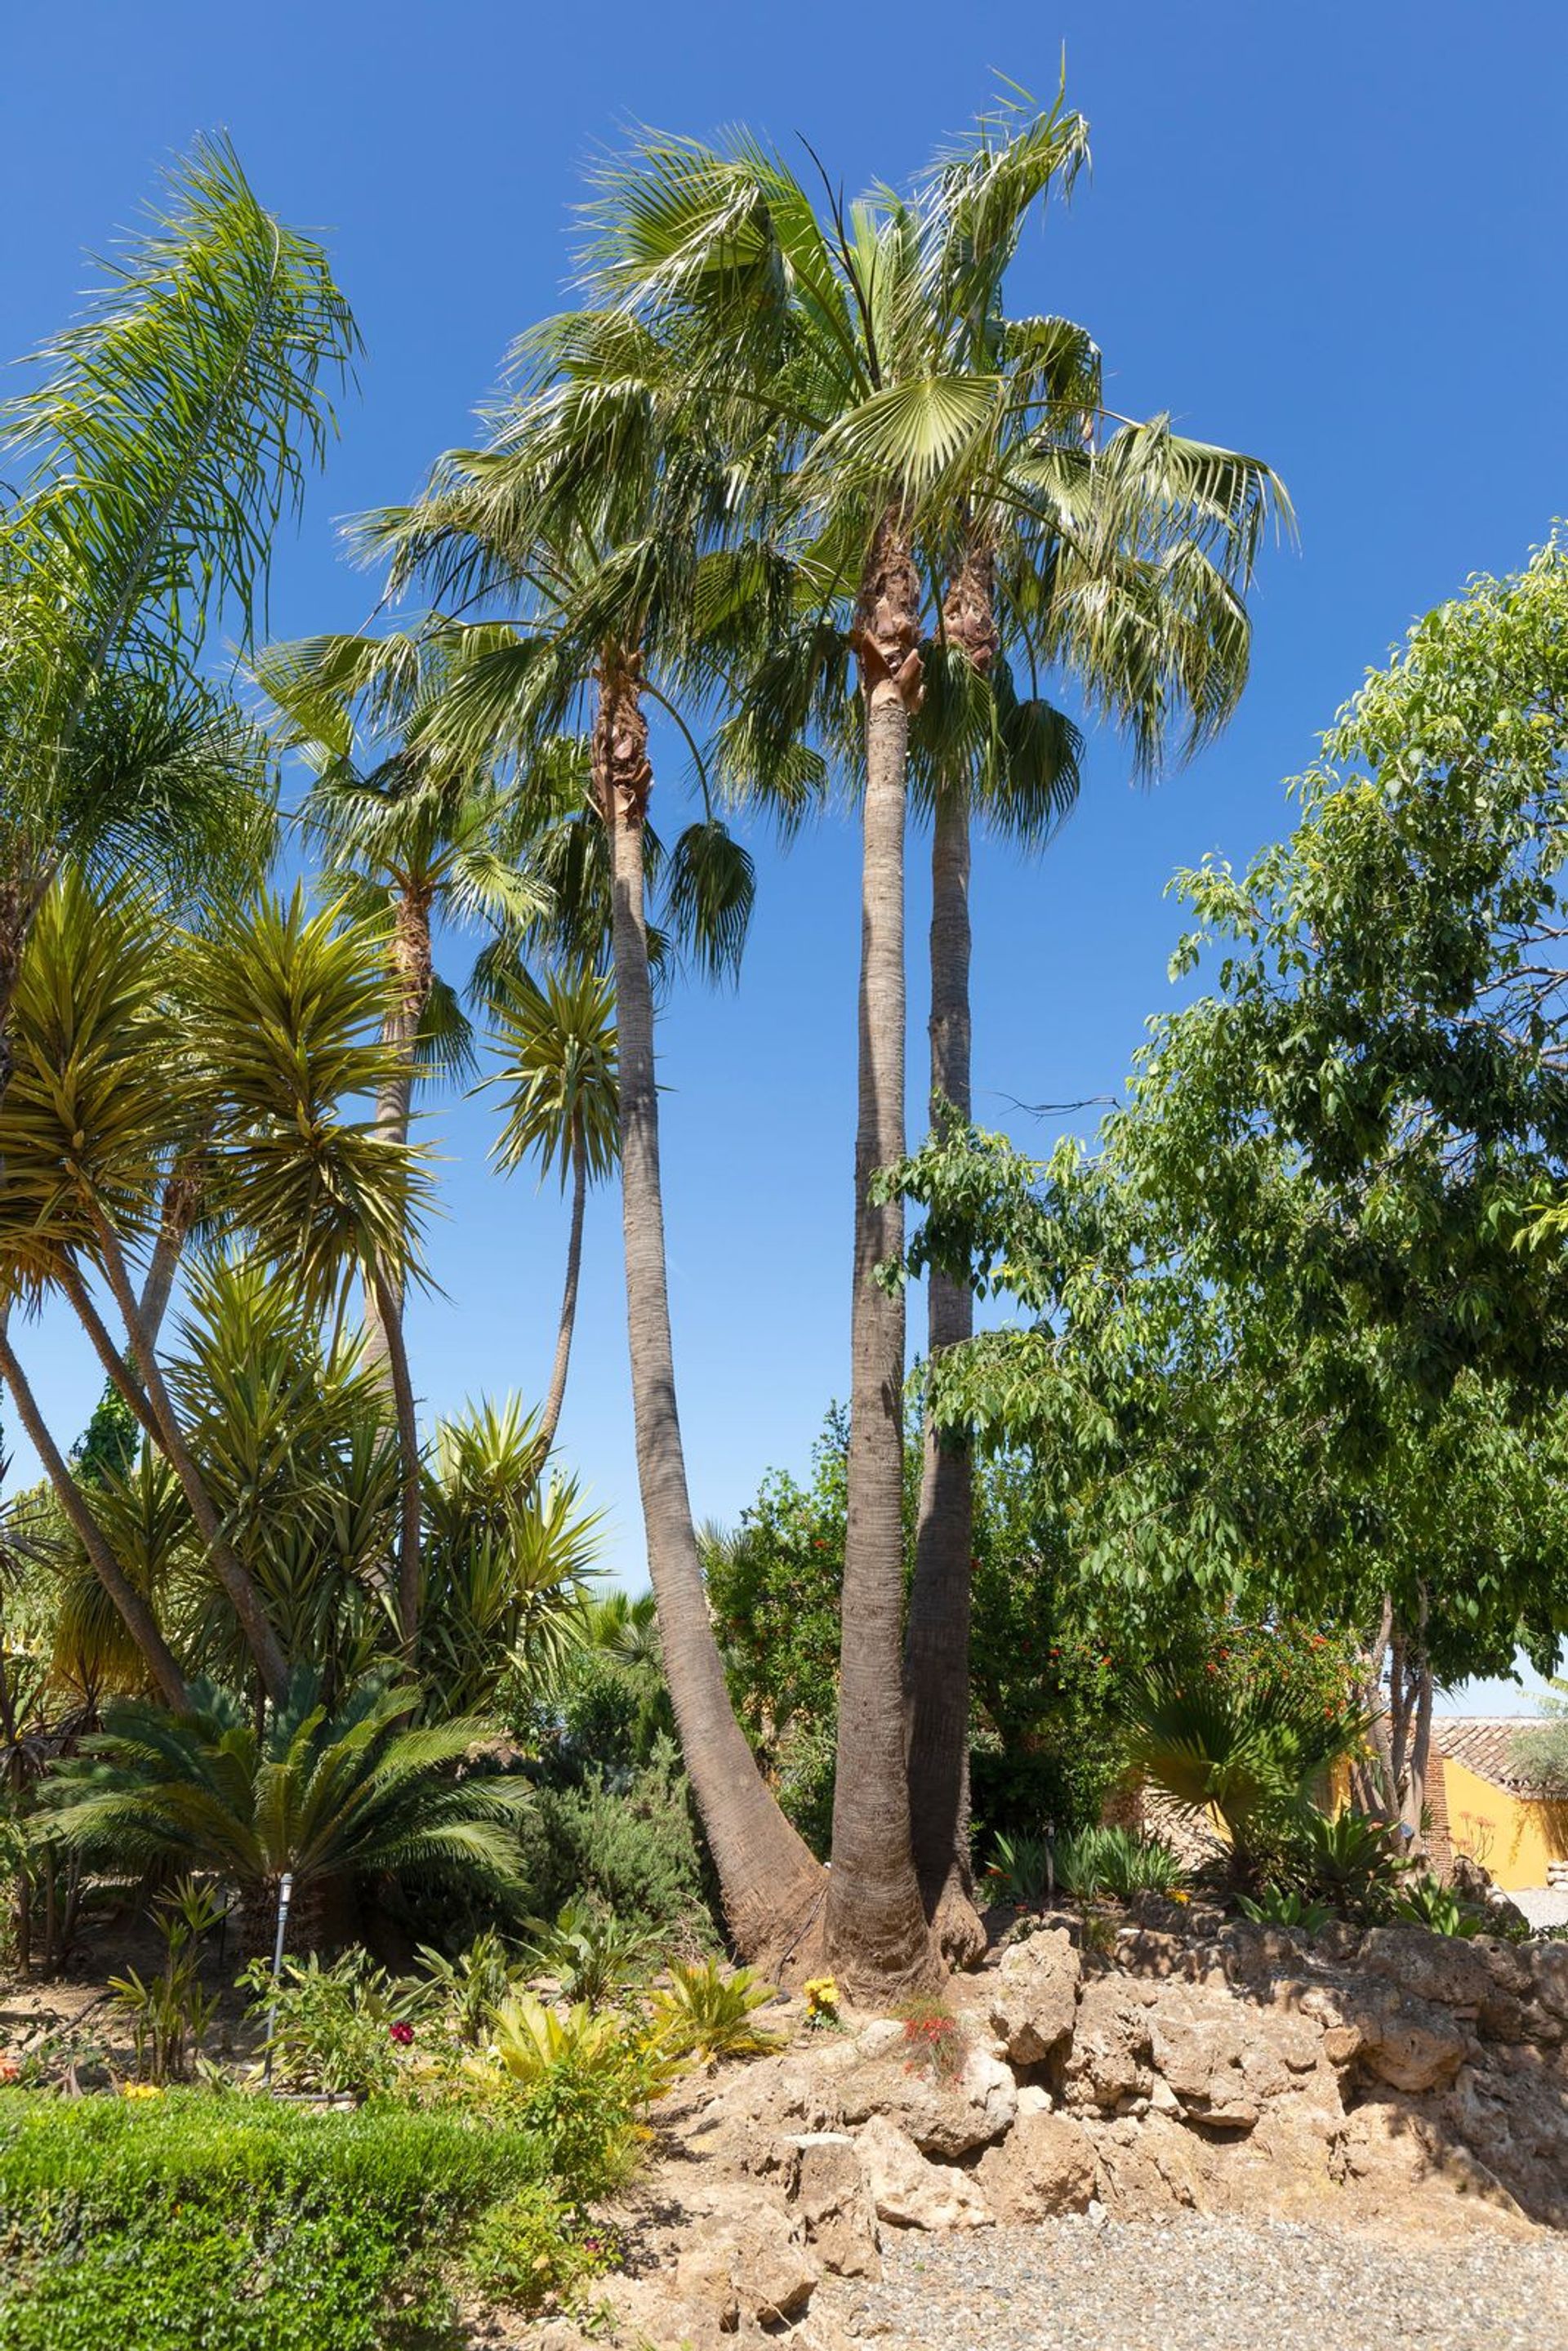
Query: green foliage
point(111, 1441)
point(1302, 1306)
point(706, 2012)
point(1285, 1907)
point(1540, 1752)
point(1424, 1901)
point(470, 1988)
point(320, 1793)
point(337, 2028)
point(628, 1842)
point(1248, 1748)
point(1096, 1861)
point(582, 2080)
point(534, 2249)
point(1020, 1871)
point(169, 2014)
point(133, 2222)
point(593, 1955)
point(1351, 1862)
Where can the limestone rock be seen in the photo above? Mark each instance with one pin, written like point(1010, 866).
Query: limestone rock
point(1044, 2166)
point(1110, 2057)
point(1034, 1996)
point(827, 2183)
point(908, 2191)
point(944, 2116)
point(748, 2263)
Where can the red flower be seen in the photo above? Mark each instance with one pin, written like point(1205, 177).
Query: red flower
point(401, 2033)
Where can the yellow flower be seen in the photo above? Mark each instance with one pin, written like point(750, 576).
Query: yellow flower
point(1177, 1895)
point(140, 2090)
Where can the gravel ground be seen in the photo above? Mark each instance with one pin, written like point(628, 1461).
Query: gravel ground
point(1212, 2285)
point(1543, 1906)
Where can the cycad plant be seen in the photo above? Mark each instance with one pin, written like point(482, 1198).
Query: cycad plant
point(327, 1794)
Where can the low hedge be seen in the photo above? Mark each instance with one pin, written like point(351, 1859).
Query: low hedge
point(192, 2222)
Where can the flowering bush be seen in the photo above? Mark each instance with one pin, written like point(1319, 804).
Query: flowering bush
point(534, 2249)
point(933, 2039)
point(339, 2028)
point(821, 2001)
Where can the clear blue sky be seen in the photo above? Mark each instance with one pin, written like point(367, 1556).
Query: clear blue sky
point(1330, 235)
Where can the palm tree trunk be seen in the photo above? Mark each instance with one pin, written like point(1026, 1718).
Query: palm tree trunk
point(411, 979)
point(139, 1619)
point(937, 1636)
point(550, 1419)
point(877, 1937)
point(769, 1881)
point(237, 1583)
point(937, 1639)
point(410, 1509)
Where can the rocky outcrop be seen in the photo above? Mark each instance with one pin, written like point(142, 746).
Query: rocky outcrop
point(1233, 2070)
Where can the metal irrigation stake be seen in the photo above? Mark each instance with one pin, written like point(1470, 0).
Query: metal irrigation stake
point(285, 1896)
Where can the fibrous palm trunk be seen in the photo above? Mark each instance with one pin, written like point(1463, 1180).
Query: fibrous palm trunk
point(769, 1882)
point(877, 1937)
point(550, 1419)
point(937, 1639)
point(409, 979)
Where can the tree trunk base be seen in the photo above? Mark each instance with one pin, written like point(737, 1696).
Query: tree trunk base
point(957, 1927)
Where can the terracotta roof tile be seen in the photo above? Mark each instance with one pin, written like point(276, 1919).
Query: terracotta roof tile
point(1483, 1743)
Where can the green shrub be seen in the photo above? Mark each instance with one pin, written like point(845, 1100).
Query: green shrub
point(1019, 1871)
point(592, 1953)
point(534, 2249)
point(631, 1842)
point(335, 2028)
point(1350, 1861)
point(1285, 1906)
point(1425, 1902)
point(181, 2221)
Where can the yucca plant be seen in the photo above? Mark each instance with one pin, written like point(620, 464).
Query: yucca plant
point(704, 2013)
point(327, 1796)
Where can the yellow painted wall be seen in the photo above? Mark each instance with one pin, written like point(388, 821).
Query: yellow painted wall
point(1514, 1837)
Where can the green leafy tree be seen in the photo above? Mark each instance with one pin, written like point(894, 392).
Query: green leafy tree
point(163, 437)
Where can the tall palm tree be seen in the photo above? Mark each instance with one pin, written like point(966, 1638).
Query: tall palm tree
point(167, 434)
point(557, 1043)
point(417, 835)
point(1143, 612)
point(857, 338)
point(596, 503)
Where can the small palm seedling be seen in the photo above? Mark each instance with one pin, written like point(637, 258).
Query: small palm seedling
point(169, 2013)
point(705, 2013)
